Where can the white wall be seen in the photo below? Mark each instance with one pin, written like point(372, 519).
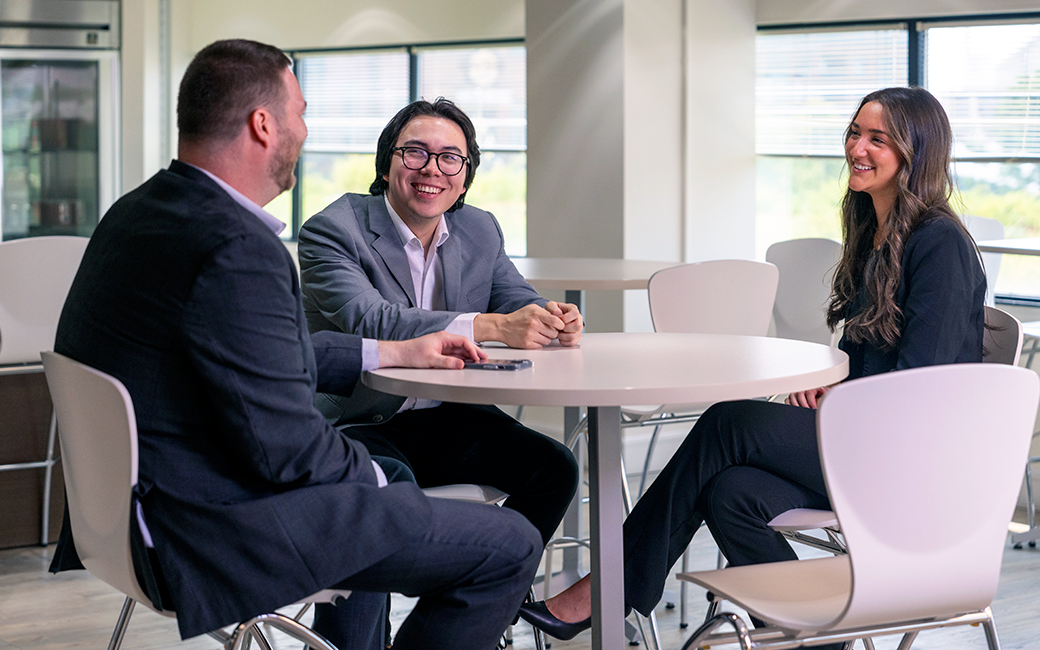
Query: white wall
point(720, 180)
point(814, 11)
point(140, 110)
point(640, 134)
point(348, 23)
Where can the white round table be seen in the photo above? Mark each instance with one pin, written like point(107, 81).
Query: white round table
point(606, 371)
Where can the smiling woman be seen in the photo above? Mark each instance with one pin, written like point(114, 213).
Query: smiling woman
point(873, 161)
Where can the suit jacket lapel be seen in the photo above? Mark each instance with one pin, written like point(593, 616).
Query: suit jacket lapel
point(451, 263)
point(387, 244)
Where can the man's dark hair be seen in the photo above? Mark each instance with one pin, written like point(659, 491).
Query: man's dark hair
point(224, 83)
point(440, 107)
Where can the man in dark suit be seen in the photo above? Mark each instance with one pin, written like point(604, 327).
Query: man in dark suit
point(248, 499)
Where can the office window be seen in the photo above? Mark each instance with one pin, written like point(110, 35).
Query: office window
point(352, 95)
point(807, 85)
point(987, 77)
point(490, 84)
point(988, 80)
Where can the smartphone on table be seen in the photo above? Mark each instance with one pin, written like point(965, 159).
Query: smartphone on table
point(500, 364)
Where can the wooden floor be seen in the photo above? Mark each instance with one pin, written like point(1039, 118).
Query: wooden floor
point(73, 610)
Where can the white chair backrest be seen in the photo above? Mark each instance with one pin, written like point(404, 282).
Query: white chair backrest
point(923, 468)
point(806, 270)
point(35, 276)
point(981, 228)
point(1002, 338)
point(714, 297)
point(98, 433)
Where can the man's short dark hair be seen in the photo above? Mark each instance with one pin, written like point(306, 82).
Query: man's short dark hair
point(440, 107)
point(224, 84)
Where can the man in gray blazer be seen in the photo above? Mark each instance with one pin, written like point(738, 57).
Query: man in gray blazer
point(411, 259)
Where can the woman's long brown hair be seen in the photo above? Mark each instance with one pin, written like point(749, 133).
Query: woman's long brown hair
point(921, 134)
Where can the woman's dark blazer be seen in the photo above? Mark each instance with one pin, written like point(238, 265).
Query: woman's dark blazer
point(941, 295)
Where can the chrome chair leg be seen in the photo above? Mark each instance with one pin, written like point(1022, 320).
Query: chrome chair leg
point(743, 635)
point(48, 472)
point(683, 623)
point(121, 624)
point(907, 640)
point(649, 459)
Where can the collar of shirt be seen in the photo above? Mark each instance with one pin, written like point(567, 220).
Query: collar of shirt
point(407, 236)
point(269, 219)
point(426, 269)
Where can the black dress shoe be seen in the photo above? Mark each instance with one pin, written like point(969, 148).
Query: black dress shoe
point(538, 615)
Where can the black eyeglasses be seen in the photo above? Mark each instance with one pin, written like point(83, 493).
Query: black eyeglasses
point(415, 158)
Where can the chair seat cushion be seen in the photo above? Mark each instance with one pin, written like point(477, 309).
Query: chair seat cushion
point(795, 595)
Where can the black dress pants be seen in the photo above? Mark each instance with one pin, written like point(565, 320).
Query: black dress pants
point(470, 571)
point(458, 443)
point(465, 443)
point(742, 464)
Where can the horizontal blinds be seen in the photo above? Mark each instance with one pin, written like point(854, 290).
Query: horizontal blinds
point(988, 80)
point(808, 85)
point(489, 84)
point(350, 98)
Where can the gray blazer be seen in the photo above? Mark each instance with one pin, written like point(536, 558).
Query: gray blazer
point(356, 280)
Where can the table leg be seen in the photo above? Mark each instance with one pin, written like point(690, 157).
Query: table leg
point(606, 514)
point(572, 519)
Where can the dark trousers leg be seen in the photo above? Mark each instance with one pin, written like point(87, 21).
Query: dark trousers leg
point(777, 438)
point(738, 504)
point(357, 624)
point(463, 443)
point(470, 571)
point(349, 624)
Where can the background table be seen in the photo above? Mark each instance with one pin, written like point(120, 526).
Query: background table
point(606, 371)
point(1024, 246)
point(576, 274)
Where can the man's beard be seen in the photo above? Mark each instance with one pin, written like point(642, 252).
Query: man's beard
point(283, 165)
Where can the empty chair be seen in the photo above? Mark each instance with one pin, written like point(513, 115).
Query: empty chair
point(946, 449)
point(982, 228)
point(35, 276)
point(713, 297)
point(806, 269)
point(99, 445)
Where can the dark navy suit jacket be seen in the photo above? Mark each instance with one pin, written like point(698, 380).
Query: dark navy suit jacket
point(252, 499)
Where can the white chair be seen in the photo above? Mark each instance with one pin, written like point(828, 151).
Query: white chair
point(1001, 343)
point(713, 297)
point(35, 276)
point(982, 228)
point(99, 445)
point(904, 480)
point(806, 269)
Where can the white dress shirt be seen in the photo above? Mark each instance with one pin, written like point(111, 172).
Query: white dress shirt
point(428, 281)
